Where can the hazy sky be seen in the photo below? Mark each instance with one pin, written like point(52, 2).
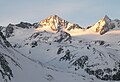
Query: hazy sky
point(82, 12)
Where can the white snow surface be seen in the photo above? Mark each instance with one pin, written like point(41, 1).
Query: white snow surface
point(41, 63)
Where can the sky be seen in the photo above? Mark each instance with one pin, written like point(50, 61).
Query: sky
point(82, 12)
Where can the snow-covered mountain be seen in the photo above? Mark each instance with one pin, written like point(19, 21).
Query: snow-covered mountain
point(104, 25)
point(9, 30)
point(54, 22)
point(55, 50)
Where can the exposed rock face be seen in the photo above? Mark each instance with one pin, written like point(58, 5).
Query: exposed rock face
point(9, 30)
point(63, 37)
point(103, 25)
point(92, 68)
point(1, 27)
point(54, 22)
point(24, 25)
point(6, 71)
point(3, 40)
point(116, 23)
point(36, 38)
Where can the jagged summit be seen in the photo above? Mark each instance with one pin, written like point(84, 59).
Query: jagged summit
point(103, 25)
point(54, 22)
point(106, 18)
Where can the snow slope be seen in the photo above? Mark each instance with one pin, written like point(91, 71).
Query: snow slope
point(102, 52)
point(21, 68)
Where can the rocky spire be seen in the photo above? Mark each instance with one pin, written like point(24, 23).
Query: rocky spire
point(103, 25)
point(55, 21)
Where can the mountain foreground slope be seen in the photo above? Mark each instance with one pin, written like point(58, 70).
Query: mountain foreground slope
point(55, 50)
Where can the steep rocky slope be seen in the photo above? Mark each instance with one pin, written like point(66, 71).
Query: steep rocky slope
point(54, 22)
point(6, 59)
point(104, 25)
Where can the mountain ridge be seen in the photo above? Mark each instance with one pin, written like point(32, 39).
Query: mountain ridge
point(102, 26)
point(54, 23)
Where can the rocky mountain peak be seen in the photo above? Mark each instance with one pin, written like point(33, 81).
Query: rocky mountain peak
point(106, 18)
point(54, 22)
point(103, 25)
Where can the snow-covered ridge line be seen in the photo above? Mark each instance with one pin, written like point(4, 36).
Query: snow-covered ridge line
point(54, 22)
